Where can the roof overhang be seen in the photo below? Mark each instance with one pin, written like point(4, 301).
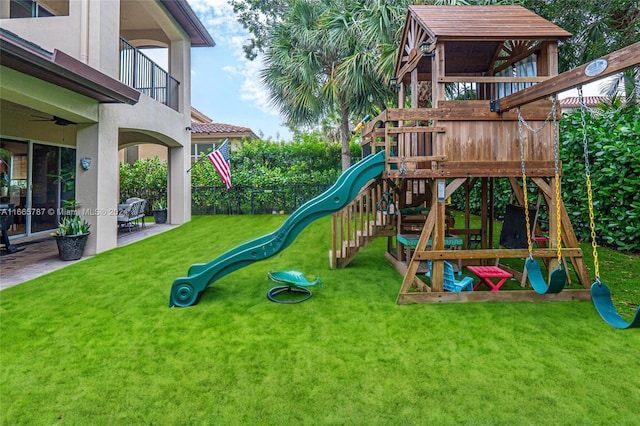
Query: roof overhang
point(471, 35)
point(188, 20)
point(62, 70)
point(220, 130)
point(497, 23)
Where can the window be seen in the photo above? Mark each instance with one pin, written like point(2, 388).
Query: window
point(38, 8)
point(199, 149)
point(524, 68)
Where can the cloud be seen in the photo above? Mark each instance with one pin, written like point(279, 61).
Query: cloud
point(219, 19)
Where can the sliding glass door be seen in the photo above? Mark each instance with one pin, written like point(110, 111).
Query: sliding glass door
point(36, 180)
point(44, 193)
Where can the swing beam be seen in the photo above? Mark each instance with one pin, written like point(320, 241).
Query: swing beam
point(617, 61)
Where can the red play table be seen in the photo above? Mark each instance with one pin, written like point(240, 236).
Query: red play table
point(486, 273)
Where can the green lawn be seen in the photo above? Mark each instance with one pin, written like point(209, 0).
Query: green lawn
point(95, 343)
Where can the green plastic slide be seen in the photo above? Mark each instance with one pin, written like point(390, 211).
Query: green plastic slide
point(186, 291)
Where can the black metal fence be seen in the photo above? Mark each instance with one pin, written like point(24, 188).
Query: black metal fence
point(207, 200)
point(144, 75)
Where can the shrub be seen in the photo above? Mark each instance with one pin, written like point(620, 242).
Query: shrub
point(146, 178)
point(613, 138)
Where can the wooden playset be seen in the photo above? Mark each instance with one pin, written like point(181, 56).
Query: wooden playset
point(474, 86)
point(476, 104)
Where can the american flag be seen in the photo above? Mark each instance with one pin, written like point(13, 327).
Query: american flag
point(220, 160)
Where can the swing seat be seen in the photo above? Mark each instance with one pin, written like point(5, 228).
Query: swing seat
point(601, 297)
point(294, 278)
point(295, 285)
point(557, 280)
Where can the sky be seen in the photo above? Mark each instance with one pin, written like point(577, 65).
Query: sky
point(224, 84)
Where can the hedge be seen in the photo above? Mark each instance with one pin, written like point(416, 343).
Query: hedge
point(613, 138)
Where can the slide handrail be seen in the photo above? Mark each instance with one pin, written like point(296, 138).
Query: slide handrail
point(186, 291)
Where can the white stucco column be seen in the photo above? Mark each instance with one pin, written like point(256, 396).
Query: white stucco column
point(179, 189)
point(180, 157)
point(97, 188)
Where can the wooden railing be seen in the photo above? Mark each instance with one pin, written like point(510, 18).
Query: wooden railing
point(487, 88)
point(369, 215)
point(460, 138)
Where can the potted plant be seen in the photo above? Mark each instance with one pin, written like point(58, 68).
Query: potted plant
point(70, 207)
point(71, 237)
point(160, 211)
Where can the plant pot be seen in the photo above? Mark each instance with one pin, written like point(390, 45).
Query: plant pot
point(160, 216)
point(71, 247)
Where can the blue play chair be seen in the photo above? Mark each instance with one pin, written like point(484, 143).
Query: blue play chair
point(450, 282)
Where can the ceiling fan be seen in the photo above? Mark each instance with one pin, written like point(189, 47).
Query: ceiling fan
point(59, 121)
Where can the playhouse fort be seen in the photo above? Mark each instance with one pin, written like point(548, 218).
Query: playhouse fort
point(465, 77)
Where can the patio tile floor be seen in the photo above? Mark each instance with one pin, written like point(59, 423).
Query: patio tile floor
point(38, 255)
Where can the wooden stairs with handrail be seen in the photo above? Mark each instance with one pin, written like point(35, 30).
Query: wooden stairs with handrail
point(367, 217)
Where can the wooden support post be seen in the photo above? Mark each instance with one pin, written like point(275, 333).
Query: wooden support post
point(487, 238)
point(437, 242)
point(410, 276)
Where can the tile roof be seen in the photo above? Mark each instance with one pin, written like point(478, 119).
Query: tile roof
point(217, 128)
point(590, 101)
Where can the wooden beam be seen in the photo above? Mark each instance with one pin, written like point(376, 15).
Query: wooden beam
point(414, 129)
point(492, 254)
point(414, 57)
point(492, 296)
point(617, 61)
point(484, 79)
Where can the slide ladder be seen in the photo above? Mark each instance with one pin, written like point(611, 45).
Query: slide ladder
point(186, 291)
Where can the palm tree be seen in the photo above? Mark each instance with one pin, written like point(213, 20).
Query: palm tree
point(323, 59)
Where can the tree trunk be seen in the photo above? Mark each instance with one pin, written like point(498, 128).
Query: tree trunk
point(345, 137)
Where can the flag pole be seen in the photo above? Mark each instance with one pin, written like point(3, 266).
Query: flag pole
point(199, 160)
point(205, 156)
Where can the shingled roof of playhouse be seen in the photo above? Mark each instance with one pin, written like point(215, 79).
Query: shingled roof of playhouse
point(473, 36)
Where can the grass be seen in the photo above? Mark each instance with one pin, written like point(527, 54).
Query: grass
point(95, 343)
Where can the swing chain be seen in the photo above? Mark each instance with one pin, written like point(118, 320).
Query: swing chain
point(524, 183)
point(556, 160)
point(551, 115)
point(556, 163)
point(592, 221)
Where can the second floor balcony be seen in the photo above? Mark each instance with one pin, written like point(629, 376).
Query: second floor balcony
point(141, 73)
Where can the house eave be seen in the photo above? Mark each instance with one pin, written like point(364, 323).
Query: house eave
point(62, 70)
point(188, 20)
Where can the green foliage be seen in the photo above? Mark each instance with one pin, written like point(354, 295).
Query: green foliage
point(267, 176)
point(264, 163)
point(146, 178)
point(160, 205)
point(72, 225)
point(613, 137)
point(598, 27)
point(324, 59)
